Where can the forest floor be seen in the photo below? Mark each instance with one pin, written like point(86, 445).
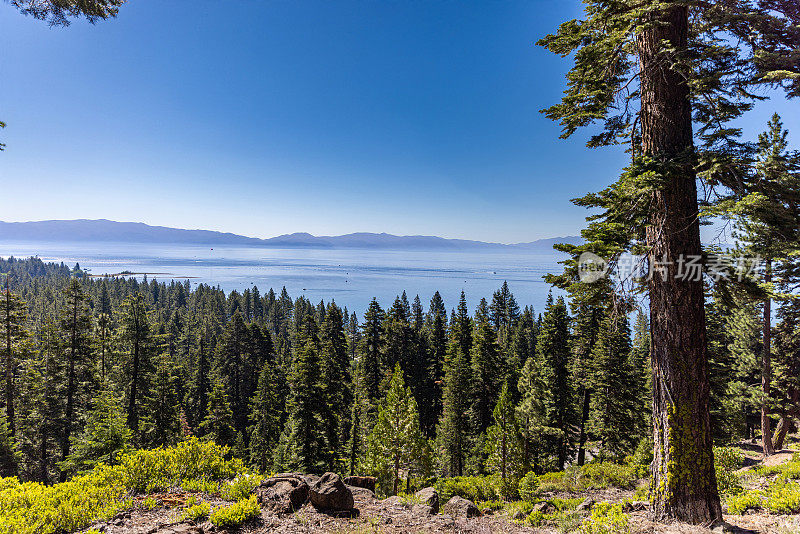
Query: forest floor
point(390, 515)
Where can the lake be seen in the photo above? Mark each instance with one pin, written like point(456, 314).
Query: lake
point(351, 277)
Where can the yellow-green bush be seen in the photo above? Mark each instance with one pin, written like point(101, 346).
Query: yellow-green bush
point(606, 518)
point(235, 514)
point(196, 512)
point(783, 498)
point(599, 475)
point(528, 487)
point(749, 500)
point(31, 507)
point(239, 487)
point(473, 488)
point(194, 459)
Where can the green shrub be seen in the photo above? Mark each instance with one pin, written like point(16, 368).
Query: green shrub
point(517, 507)
point(148, 503)
point(730, 458)
point(31, 507)
point(563, 505)
point(409, 499)
point(240, 487)
point(473, 488)
point(739, 504)
point(555, 481)
point(606, 518)
point(235, 514)
point(599, 475)
point(783, 498)
point(146, 471)
point(535, 519)
point(643, 457)
point(490, 505)
point(528, 486)
point(200, 485)
point(563, 521)
point(196, 512)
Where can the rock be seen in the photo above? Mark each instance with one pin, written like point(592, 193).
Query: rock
point(461, 508)
point(422, 509)
point(585, 506)
point(429, 497)
point(544, 507)
point(361, 482)
point(330, 493)
point(723, 527)
point(284, 493)
point(394, 500)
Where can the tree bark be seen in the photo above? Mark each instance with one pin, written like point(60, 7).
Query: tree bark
point(584, 419)
point(683, 482)
point(766, 368)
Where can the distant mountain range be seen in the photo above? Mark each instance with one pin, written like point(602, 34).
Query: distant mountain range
point(129, 232)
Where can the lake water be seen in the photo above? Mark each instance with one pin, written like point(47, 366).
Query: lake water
point(351, 277)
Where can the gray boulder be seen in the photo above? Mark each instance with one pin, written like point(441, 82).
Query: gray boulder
point(361, 482)
point(284, 493)
point(329, 493)
point(429, 497)
point(461, 508)
point(586, 505)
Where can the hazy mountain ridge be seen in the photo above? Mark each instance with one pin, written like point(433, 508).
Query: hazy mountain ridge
point(106, 230)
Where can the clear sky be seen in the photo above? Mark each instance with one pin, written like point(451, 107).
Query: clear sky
point(271, 117)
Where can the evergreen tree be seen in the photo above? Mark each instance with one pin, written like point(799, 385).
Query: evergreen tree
point(161, 424)
point(306, 425)
point(453, 431)
point(658, 79)
point(436, 332)
point(231, 367)
point(136, 335)
point(104, 437)
point(398, 336)
point(12, 328)
point(335, 379)
point(218, 425)
point(396, 442)
point(553, 352)
point(9, 456)
point(461, 326)
point(76, 326)
point(503, 443)
point(371, 348)
point(265, 415)
point(613, 419)
point(768, 229)
point(487, 370)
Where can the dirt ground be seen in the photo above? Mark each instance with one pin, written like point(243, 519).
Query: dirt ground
point(389, 516)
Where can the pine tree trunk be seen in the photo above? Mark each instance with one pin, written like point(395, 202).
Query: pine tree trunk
point(133, 419)
point(766, 368)
point(784, 423)
point(584, 419)
point(683, 482)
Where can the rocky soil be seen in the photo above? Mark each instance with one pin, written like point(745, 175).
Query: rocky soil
point(297, 503)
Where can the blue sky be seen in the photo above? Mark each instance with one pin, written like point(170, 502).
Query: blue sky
point(263, 118)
